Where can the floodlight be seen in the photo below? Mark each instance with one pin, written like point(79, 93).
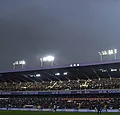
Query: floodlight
point(71, 65)
point(115, 51)
point(23, 62)
point(74, 65)
point(105, 53)
point(110, 52)
point(45, 59)
point(78, 64)
point(50, 58)
point(16, 63)
point(100, 53)
point(20, 62)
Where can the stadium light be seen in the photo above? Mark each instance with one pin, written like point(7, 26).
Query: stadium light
point(38, 75)
point(22, 62)
point(74, 65)
point(71, 65)
point(65, 73)
point(107, 53)
point(47, 59)
point(113, 70)
point(13, 65)
point(57, 74)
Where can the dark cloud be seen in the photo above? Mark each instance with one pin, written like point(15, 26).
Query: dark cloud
point(72, 30)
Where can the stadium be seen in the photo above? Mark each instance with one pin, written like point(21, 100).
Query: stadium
point(76, 88)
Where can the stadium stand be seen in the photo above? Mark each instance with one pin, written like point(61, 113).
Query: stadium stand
point(103, 83)
point(68, 87)
point(63, 101)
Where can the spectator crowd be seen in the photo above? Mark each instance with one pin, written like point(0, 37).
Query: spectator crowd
point(63, 102)
point(103, 83)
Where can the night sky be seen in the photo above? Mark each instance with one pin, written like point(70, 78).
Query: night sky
point(70, 30)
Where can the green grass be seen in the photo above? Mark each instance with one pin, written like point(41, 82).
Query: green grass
point(49, 113)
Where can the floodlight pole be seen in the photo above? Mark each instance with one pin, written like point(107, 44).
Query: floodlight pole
point(115, 56)
point(22, 66)
point(13, 66)
point(41, 62)
point(22, 63)
point(101, 56)
point(52, 63)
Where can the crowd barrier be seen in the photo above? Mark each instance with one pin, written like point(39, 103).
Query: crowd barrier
point(60, 110)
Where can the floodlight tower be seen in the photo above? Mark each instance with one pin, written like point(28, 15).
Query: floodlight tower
point(107, 53)
point(22, 62)
point(47, 59)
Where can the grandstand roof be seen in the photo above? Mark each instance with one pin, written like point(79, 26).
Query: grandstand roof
point(106, 69)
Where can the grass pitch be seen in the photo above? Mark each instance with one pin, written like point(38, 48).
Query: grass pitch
point(49, 113)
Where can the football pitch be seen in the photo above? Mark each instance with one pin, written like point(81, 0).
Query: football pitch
point(50, 113)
